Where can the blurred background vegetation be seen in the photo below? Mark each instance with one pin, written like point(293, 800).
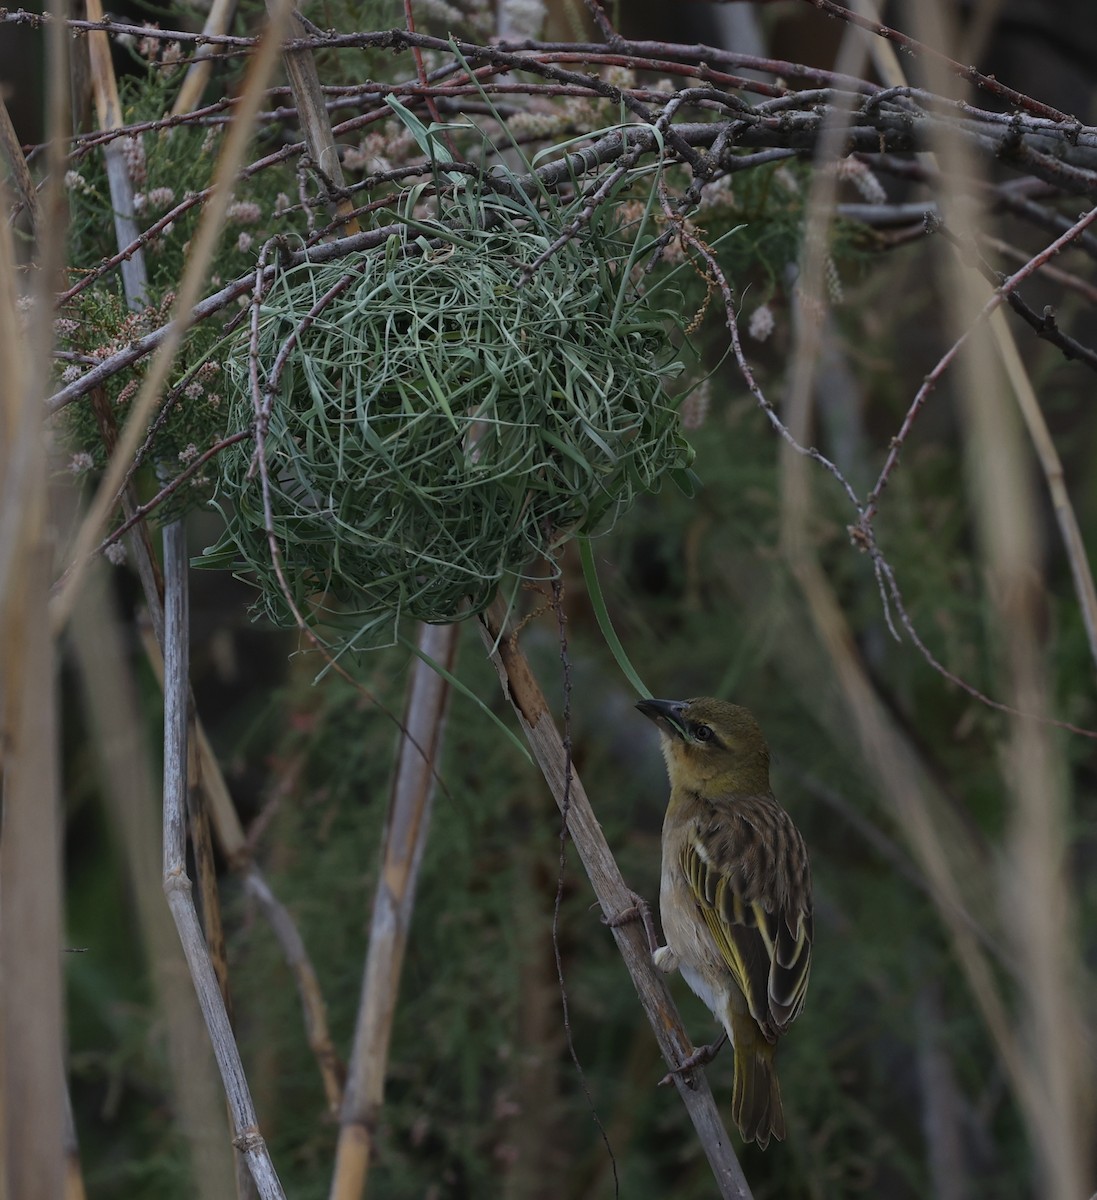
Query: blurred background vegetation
point(892, 1085)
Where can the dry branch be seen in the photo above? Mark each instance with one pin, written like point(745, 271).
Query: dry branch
point(233, 844)
point(531, 708)
point(177, 884)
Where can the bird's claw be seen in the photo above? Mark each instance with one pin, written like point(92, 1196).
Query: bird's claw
point(698, 1058)
point(638, 910)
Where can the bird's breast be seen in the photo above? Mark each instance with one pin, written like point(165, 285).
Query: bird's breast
point(699, 959)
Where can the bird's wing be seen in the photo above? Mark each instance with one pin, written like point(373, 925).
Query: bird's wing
point(752, 887)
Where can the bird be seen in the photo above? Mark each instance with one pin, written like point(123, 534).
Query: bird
point(734, 897)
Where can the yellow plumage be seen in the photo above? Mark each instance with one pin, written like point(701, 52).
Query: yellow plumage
point(735, 893)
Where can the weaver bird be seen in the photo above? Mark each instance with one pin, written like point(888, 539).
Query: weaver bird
point(735, 894)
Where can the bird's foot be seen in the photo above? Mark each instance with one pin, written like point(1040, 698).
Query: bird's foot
point(638, 910)
point(699, 1057)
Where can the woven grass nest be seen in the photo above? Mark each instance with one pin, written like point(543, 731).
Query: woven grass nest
point(437, 426)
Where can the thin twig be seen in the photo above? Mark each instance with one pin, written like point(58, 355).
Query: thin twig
point(986, 83)
point(1043, 324)
point(1000, 293)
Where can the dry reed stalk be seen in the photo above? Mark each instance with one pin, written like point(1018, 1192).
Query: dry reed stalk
point(406, 828)
point(194, 83)
point(942, 849)
point(129, 795)
point(521, 688)
point(30, 879)
point(1043, 1073)
point(942, 1101)
point(247, 1138)
point(1036, 908)
point(108, 109)
point(891, 71)
point(1055, 1094)
point(217, 802)
point(1052, 467)
point(33, 1133)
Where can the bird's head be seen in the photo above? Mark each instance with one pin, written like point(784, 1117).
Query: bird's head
point(710, 744)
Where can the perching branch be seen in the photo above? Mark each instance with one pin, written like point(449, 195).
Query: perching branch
point(531, 708)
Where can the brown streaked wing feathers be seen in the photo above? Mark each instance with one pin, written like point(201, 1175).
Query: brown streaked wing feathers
point(767, 949)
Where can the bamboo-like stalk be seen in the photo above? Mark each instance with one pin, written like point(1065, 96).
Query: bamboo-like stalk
point(531, 708)
point(194, 82)
point(135, 284)
point(216, 799)
point(108, 109)
point(247, 1138)
point(406, 828)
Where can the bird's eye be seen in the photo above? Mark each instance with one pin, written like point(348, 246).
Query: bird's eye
point(703, 733)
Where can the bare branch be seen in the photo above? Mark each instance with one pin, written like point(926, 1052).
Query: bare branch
point(523, 691)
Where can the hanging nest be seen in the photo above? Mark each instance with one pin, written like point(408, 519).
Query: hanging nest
point(437, 426)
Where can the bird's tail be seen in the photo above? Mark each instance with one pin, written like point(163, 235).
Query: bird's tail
point(756, 1094)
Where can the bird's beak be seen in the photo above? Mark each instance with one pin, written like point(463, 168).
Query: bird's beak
point(667, 714)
